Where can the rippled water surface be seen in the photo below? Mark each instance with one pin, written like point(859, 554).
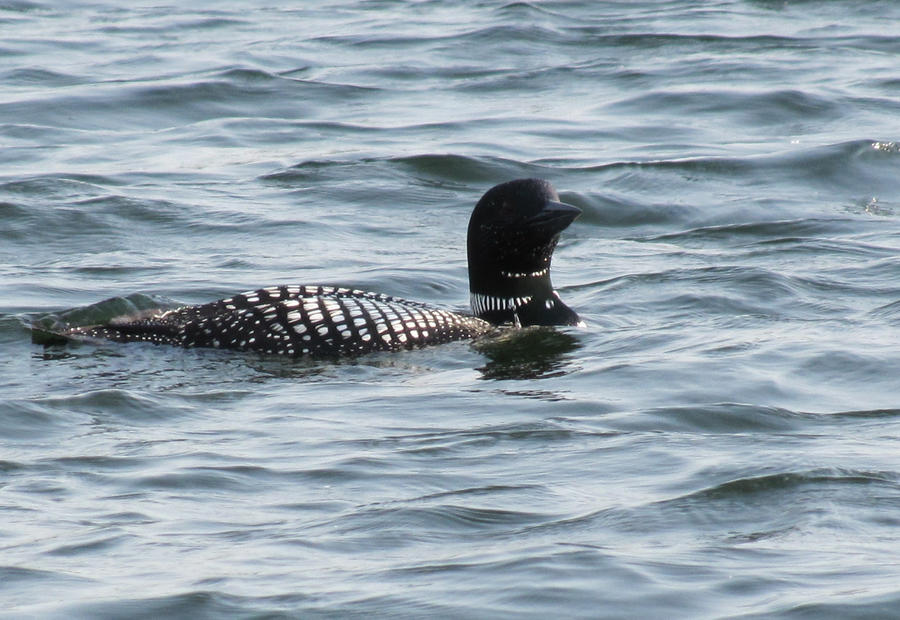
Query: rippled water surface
point(720, 441)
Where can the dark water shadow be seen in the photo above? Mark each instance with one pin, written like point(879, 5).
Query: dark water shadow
point(531, 353)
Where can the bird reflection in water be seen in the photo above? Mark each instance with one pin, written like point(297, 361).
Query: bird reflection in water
point(530, 353)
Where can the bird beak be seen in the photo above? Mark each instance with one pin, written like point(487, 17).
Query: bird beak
point(557, 215)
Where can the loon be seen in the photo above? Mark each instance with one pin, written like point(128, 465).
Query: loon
point(512, 233)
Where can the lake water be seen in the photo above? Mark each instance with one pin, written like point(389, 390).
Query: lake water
point(722, 440)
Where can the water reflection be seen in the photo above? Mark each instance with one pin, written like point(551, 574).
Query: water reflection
point(531, 353)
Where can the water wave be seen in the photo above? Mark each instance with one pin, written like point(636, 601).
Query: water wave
point(719, 440)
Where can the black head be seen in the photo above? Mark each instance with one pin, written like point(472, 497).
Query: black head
point(512, 234)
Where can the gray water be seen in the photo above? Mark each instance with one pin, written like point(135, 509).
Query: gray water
point(721, 440)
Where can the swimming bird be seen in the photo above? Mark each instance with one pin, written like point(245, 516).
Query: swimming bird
point(512, 233)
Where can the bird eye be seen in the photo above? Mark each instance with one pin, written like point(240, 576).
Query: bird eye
point(505, 210)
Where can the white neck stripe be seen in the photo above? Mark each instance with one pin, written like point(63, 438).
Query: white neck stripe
point(485, 303)
point(533, 274)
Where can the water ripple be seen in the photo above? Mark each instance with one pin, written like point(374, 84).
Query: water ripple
point(719, 440)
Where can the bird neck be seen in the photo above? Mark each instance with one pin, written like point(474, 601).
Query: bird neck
point(519, 299)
